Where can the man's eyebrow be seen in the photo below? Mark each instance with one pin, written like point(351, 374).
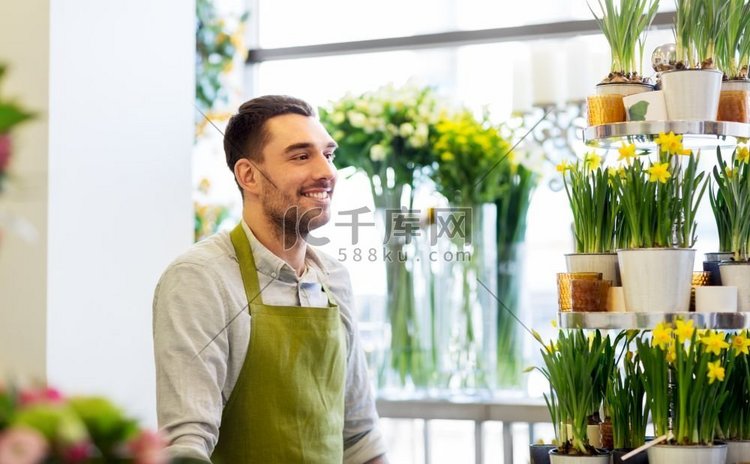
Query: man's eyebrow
point(302, 145)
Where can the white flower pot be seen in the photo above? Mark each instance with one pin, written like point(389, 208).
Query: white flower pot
point(622, 88)
point(737, 275)
point(692, 94)
point(564, 459)
point(606, 263)
point(738, 452)
point(656, 280)
point(670, 454)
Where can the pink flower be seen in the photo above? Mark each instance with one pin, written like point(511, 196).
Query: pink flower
point(148, 448)
point(41, 395)
point(78, 452)
point(22, 445)
point(5, 147)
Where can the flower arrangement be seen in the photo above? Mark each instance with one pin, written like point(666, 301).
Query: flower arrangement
point(660, 200)
point(385, 134)
point(598, 225)
point(734, 416)
point(11, 114)
point(217, 41)
point(733, 43)
point(730, 201)
point(474, 165)
point(40, 423)
point(572, 365)
point(699, 360)
point(624, 25)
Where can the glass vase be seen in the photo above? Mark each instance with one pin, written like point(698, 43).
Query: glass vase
point(408, 361)
point(468, 308)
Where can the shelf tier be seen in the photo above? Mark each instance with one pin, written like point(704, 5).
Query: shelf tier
point(703, 132)
point(606, 320)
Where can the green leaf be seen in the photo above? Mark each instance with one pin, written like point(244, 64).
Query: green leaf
point(638, 111)
point(11, 115)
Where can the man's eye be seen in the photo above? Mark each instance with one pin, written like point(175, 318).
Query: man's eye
point(331, 156)
point(302, 157)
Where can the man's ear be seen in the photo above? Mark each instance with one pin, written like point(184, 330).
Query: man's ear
point(247, 175)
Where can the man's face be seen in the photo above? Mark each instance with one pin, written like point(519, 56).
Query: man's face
point(298, 161)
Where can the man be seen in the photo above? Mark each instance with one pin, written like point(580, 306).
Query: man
point(258, 357)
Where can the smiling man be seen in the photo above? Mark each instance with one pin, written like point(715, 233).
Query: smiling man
point(258, 356)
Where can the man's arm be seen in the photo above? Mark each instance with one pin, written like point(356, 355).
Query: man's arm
point(188, 313)
point(378, 460)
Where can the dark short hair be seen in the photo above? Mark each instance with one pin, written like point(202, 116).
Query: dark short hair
point(246, 135)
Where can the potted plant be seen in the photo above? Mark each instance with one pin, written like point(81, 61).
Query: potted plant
point(733, 54)
point(721, 216)
point(474, 167)
point(734, 417)
point(691, 90)
point(624, 24)
point(572, 365)
point(385, 135)
point(659, 200)
point(598, 226)
point(698, 365)
point(626, 398)
point(732, 182)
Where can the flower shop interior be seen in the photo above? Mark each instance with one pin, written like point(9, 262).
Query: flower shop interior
point(539, 206)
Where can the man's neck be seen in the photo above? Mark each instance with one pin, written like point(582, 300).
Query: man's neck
point(266, 233)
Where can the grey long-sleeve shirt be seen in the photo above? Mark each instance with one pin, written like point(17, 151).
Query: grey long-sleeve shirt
point(197, 297)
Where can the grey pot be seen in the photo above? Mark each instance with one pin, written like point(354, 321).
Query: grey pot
point(711, 264)
point(540, 453)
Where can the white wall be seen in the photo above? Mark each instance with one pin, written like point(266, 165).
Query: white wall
point(24, 47)
point(120, 113)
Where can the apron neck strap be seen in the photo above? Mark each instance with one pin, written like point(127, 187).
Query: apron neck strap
point(247, 264)
point(250, 273)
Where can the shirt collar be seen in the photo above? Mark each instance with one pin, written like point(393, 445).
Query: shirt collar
point(271, 265)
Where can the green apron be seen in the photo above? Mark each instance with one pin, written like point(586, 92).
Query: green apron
point(288, 403)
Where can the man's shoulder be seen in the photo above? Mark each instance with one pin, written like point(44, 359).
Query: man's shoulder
point(214, 252)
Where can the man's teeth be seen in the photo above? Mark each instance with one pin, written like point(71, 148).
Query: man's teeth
point(318, 195)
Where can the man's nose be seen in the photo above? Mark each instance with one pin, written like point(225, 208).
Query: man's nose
point(324, 167)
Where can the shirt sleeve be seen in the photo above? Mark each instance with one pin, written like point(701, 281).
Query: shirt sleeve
point(191, 365)
point(362, 438)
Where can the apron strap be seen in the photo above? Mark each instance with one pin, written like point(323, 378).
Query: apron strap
point(247, 264)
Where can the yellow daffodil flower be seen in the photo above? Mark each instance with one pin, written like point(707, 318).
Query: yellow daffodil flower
point(671, 353)
point(447, 156)
point(685, 152)
point(743, 154)
point(562, 167)
point(554, 323)
point(741, 343)
point(669, 143)
point(729, 172)
point(714, 342)
point(592, 161)
point(659, 172)
point(627, 152)
point(684, 330)
point(715, 372)
point(661, 335)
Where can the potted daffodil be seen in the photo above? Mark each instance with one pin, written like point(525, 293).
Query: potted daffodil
point(659, 197)
point(624, 24)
